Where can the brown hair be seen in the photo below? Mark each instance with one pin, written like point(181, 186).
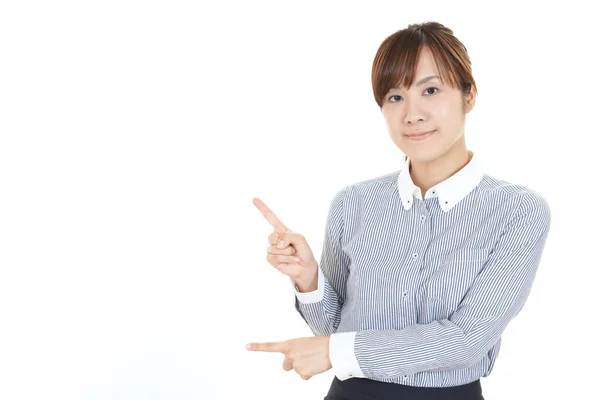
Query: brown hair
point(397, 57)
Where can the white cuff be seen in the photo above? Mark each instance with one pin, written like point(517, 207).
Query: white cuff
point(341, 354)
point(314, 296)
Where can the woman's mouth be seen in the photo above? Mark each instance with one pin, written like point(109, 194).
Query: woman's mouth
point(420, 136)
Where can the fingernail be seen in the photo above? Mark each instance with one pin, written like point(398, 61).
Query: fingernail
point(248, 346)
point(280, 244)
point(296, 259)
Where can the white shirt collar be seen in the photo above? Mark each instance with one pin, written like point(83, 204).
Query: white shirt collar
point(449, 192)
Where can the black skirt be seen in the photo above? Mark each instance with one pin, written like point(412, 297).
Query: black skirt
point(369, 389)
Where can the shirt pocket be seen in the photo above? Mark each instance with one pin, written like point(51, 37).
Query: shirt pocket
point(455, 275)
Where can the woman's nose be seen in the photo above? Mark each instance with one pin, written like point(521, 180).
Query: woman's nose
point(414, 113)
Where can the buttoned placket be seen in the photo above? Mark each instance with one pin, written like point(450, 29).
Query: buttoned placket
point(420, 206)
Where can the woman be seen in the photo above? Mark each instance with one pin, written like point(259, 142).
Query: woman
point(423, 268)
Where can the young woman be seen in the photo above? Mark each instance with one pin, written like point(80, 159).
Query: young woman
point(422, 269)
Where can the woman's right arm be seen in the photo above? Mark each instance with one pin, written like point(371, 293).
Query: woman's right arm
point(321, 308)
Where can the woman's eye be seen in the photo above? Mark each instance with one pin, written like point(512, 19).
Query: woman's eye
point(395, 98)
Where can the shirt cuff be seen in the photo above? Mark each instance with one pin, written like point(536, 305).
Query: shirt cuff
point(314, 296)
point(341, 354)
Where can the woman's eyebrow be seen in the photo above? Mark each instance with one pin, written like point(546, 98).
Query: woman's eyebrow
point(422, 81)
point(425, 80)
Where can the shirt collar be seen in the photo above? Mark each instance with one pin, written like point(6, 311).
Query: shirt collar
point(449, 192)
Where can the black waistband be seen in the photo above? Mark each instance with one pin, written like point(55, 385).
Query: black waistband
point(395, 391)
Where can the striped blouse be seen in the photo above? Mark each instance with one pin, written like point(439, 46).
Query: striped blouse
point(418, 291)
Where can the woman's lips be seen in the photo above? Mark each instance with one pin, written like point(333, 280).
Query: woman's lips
point(420, 137)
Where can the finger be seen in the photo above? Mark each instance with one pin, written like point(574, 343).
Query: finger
point(278, 260)
point(286, 238)
point(292, 270)
point(274, 238)
point(302, 374)
point(289, 237)
point(271, 347)
point(285, 262)
point(269, 215)
point(288, 251)
point(288, 364)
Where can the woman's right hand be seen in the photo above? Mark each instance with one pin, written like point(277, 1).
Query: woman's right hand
point(293, 257)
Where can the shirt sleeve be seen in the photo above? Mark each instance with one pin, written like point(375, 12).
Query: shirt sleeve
point(321, 309)
point(496, 296)
point(314, 296)
point(341, 354)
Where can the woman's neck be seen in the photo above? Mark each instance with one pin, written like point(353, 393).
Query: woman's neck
point(428, 174)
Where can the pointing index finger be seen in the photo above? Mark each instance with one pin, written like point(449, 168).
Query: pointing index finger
point(269, 215)
point(271, 347)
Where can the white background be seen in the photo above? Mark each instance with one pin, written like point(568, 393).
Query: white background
point(134, 135)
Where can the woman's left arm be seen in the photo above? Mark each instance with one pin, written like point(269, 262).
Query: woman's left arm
point(496, 296)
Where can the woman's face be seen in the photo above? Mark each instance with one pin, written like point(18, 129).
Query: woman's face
point(427, 106)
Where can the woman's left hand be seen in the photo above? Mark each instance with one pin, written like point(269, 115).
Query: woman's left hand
point(307, 356)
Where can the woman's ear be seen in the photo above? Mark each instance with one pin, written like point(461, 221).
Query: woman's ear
point(470, 99)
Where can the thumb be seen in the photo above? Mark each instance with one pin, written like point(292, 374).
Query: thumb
point(294, 238)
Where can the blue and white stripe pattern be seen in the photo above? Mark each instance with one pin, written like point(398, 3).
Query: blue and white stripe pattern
point(418, 291)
